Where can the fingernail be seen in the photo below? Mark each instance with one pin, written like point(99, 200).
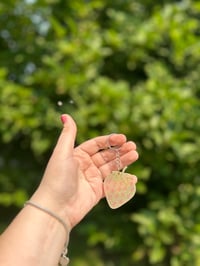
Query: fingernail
point(63, 118)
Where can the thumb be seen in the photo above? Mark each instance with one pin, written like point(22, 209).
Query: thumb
point(66, 140)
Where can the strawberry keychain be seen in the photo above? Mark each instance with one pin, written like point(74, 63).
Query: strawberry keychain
point(119, 187)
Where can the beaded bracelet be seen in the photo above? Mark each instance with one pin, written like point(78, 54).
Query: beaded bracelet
point(64, 260)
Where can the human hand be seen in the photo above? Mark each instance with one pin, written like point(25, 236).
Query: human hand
point(73, 181)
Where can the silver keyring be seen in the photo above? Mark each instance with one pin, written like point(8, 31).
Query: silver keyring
point(116, 150)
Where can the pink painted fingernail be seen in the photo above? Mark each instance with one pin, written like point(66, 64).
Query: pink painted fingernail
point(63, 118)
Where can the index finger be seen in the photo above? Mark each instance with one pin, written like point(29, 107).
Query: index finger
point(92, 146)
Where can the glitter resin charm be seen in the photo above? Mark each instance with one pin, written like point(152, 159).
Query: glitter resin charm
point(64, 261)
point(119, 188)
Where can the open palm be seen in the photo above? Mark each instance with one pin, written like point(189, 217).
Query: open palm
point(75, 175)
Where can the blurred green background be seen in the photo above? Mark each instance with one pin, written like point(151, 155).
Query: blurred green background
point(115, 66)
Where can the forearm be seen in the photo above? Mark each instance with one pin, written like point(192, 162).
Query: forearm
point(34, 238)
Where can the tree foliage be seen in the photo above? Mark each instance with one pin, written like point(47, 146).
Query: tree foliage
point(115, 66)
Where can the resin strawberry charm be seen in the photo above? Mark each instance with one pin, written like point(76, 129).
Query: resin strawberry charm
point(119, 188)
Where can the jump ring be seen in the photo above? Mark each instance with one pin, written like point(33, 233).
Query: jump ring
point(115, 148)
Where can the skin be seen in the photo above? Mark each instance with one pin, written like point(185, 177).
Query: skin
point(71, 186)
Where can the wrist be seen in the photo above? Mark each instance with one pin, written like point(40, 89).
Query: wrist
point(64, 260)
point(41, 198)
